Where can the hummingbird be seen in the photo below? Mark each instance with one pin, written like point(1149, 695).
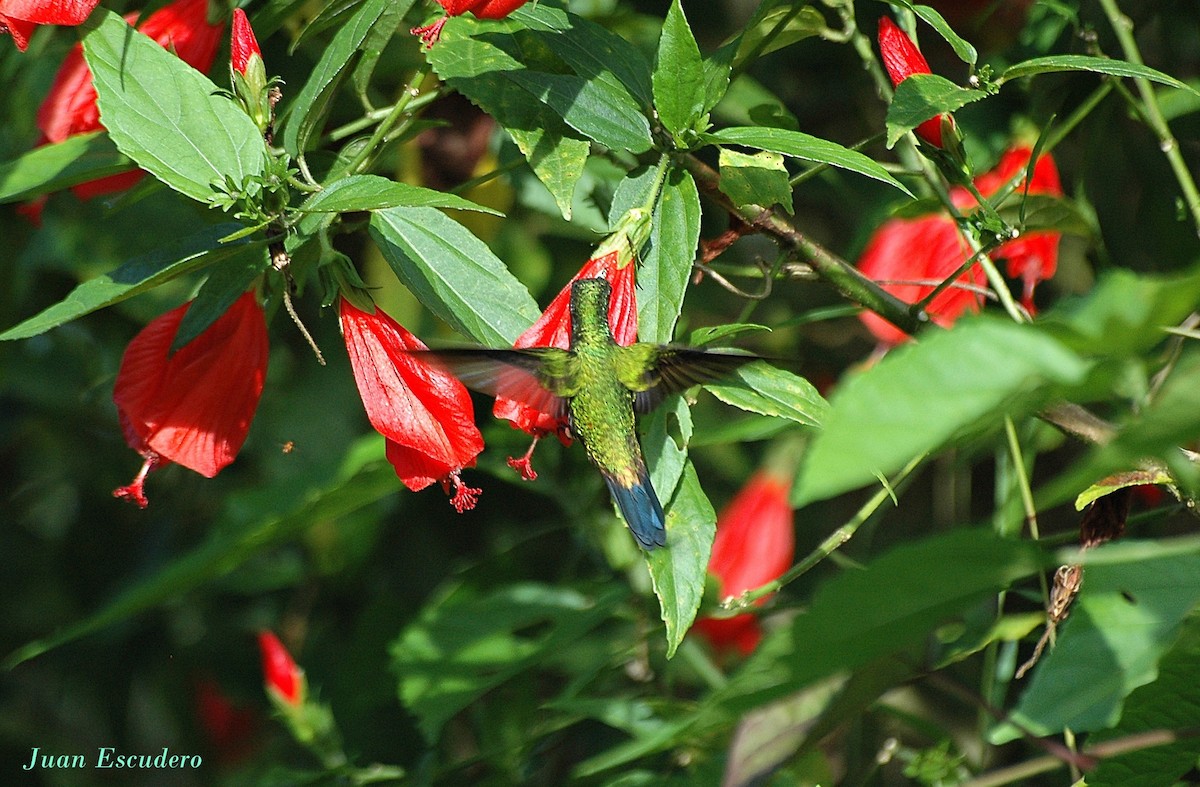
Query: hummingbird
point(597, 386)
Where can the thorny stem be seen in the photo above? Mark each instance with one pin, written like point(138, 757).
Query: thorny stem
point(1123, 27)
point(411, 92)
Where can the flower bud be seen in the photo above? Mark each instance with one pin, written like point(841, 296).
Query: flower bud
point(284, 680)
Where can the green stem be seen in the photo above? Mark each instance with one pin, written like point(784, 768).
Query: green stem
point(1123, 27)
point(844, 277)
point(698, 660)
point(411, 92)
point(829, 545)
point(376, 115)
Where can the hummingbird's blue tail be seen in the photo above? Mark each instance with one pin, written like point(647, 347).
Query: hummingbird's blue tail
point(641, 510)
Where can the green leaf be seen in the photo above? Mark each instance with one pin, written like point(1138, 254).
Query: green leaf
point(591, 107)
point(921, 97)
point(679, 569)
point(49, 168)
point(679, 77)
point(225, 284)
point(921, 395)
point(761, 388)
point(663, 276)
point(454, 274)
point(382, 32)
point(1172, 702)
point(589, 49)
point(307, 112)
point(1172, 419)
point(801, 23)
point(133, 278)
point(805, 147)
point(465, 644)
point(755, 179)
point(1098, 65)
point(225, 550)
point(1119, 481)
point(1041, 212)
point(1125, 313)
point(372, 192)
point(965, 51)
point(1126, 616)
point(666, 433)
point(716, 333)
point(749, 103)
point(858, 616)
point(166, 115)
point(476, 66)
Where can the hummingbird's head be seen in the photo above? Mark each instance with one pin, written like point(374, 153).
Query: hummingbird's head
point(589, 306)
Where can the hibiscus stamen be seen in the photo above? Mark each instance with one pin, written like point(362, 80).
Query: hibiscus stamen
point(429, 34)
point(524, 465)
point(135, 491)
point(464, 497)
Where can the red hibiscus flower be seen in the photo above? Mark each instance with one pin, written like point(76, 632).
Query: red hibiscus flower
point(755, 544)
point(902, 59)
point(908, 257)
point(21, 17)
point(1033, 257)
point(281, 675)
point(553, 329)
point(70, 107)
point(192, 407)
point(481, 9)
point(424, 412)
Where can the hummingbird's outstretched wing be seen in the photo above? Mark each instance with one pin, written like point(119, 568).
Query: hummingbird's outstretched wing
point(541, 377)
point(655, 371)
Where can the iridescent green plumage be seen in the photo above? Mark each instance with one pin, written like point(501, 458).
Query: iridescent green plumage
point(597, 385)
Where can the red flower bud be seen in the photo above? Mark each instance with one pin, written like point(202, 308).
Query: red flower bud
point(21, 17)
point(902, 59)
point(70, 107)
point(755, 544)
point(242, 43)
point(280, 672)
point(553, 329)
point(424, 412)
point(192, 407)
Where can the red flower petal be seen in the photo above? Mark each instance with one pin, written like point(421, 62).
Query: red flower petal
point(553, 329)
point(19, 29)
point(483, 9)
point(424, 412)
point(929, 248)
point(48, 12)
point(755, 543)
point(194, 407)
